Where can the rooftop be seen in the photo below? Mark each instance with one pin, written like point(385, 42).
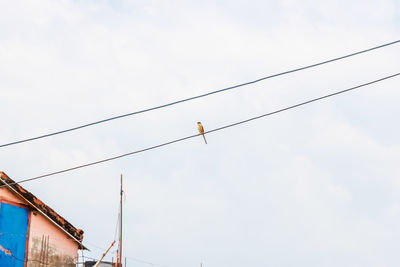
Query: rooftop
point(37, 204)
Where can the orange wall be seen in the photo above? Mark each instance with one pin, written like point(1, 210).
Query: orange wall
point(61, 249)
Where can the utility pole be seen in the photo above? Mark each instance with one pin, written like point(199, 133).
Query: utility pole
point(120, 228)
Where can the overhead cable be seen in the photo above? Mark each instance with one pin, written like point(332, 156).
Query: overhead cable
point(198, 96)
point(207, 132)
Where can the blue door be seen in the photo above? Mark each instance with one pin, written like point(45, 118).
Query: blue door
point(13, 230)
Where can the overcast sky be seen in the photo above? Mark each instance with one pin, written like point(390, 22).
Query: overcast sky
point(314, 186)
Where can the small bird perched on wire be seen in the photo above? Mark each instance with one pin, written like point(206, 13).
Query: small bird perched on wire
point(201, 130)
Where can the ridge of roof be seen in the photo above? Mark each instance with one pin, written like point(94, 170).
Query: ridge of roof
point(37, 204)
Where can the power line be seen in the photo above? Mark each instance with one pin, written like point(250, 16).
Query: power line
point(129, 258)
point(145, 262)
point(198, 96)
point(210, 131)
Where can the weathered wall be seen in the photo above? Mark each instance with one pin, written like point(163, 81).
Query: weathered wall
point(50, 245)
point(47, 243)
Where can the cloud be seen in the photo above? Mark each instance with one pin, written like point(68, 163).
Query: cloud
point(313, 186)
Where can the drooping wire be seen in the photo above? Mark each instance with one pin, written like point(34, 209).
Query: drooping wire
point(134, 259)
point(129, 258)
point(199, 96)
point(116, 226)
point(145, 262)
point(207, 132)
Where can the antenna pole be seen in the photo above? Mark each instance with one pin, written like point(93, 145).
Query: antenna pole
point(120, 229)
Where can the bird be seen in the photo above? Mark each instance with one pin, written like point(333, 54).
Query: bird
point(201, 130)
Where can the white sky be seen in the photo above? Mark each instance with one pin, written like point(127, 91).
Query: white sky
point(315, 186)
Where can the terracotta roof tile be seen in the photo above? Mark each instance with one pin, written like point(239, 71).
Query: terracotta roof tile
point(38, 204)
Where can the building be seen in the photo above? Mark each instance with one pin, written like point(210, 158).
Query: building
point(102, 264)
point(31, 233)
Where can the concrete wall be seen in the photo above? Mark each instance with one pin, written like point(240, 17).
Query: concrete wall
point(47, 243)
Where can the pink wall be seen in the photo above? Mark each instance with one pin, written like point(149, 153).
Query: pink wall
point(5, 194)
point(60, 250)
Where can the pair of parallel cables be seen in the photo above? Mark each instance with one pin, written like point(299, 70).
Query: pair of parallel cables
point(201, 96)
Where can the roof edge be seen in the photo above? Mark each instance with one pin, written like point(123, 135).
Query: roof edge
point(49, 213)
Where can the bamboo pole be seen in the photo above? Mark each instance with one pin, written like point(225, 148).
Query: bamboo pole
point(104, 254)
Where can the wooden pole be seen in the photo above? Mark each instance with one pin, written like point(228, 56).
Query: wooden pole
point(104, 254)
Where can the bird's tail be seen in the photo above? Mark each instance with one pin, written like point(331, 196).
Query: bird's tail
point(204, 138)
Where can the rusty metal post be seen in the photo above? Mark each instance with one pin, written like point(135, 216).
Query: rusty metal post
point(41, 252)
point(47, 250)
